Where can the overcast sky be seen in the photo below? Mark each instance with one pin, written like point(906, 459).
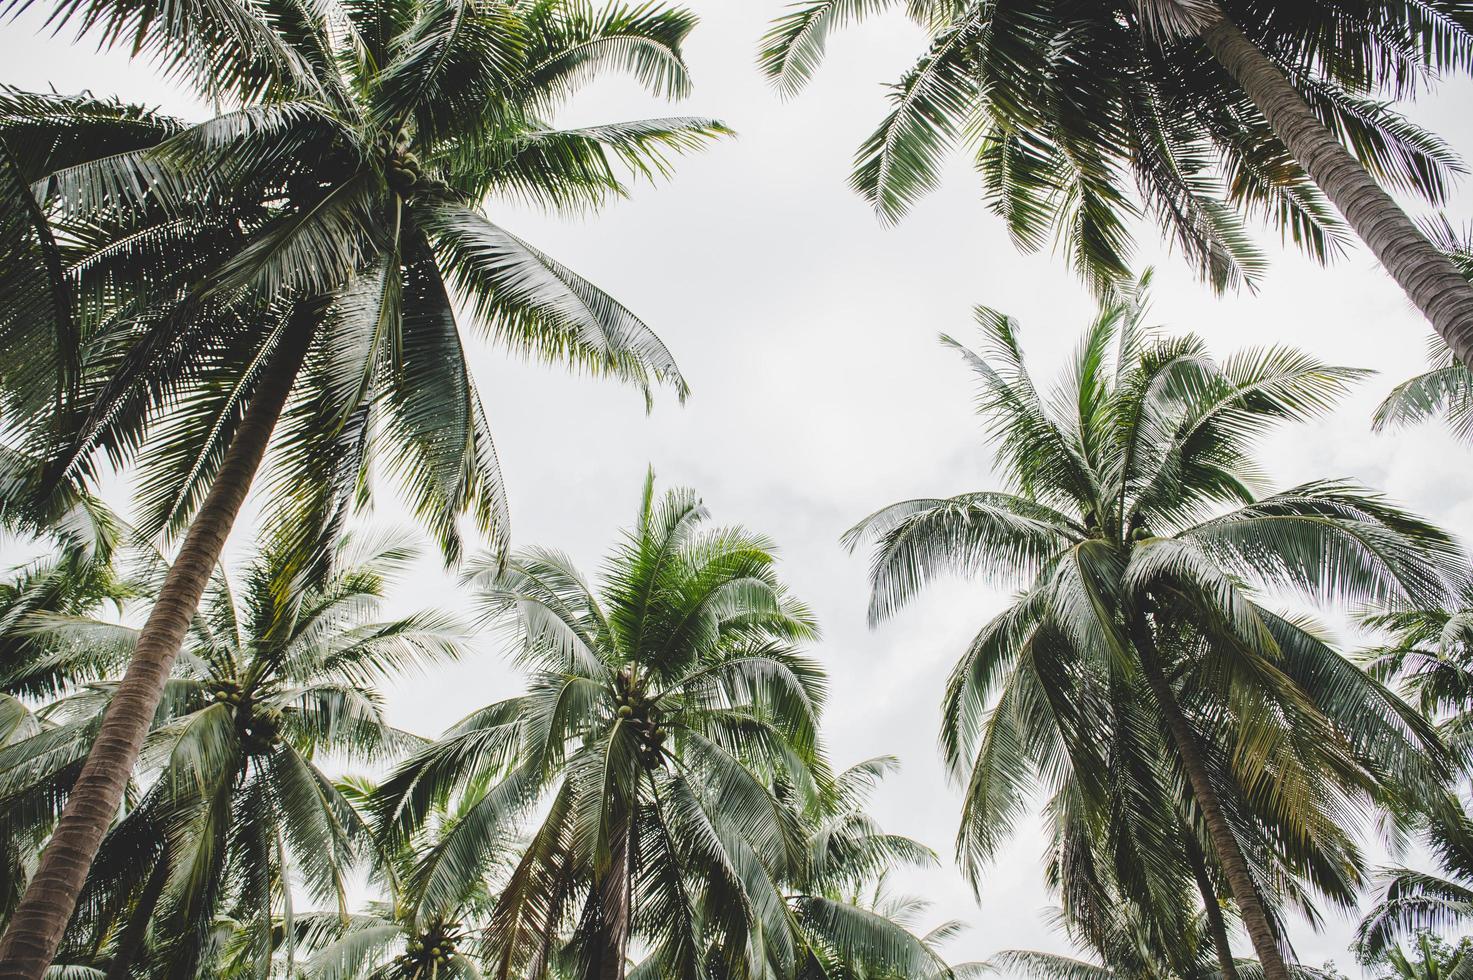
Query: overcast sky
point(808, 333)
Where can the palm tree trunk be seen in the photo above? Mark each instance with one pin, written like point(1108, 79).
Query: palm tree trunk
point(130, 940)
point(1216, 926)
point(1429, 278)
point(36, 928)
point(611, 938)
point(1224, 842)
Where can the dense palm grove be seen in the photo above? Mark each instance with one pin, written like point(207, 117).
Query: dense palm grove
point(198, 777)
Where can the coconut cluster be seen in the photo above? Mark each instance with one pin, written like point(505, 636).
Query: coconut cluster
point(434, 946)
point(226, 692)
point(642, 716)
point(402, 168)
point(258, 729)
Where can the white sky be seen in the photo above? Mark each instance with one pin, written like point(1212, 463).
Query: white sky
point(808, 333)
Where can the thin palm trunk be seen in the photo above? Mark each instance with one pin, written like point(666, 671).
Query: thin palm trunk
point(1429, 278)
point(1216, 925)
point(130, 940)
point(612, 937)
point(1224, 842)
point(36, 929)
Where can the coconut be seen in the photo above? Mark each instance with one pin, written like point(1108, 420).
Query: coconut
point(625, 711)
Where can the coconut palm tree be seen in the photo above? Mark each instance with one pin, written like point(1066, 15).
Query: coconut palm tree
point(1039, 965)
point(301, 260)
point(661, 707)
point(402, 938)
point(1412, 901)
point(845, 920)
point(1435, 959)
point(876, 935)
point(1131, 515)
point(1212, 108)
point(90, 560)
point(1429, 654)
point(236, 806)
point(1445, 390)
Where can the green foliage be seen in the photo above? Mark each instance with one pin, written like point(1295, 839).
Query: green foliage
point(1428, 653)
point(1445, 390)
point(662, 706)
point(658, 791)
point(1133, 520)
point(341, 198)
point(1081, 118)
point(232, 812)
point(1431, 957)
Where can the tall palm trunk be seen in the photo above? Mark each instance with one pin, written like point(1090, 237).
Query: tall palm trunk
point(1429, 278)
point(131, 938)
point(1216, 926)
point(613, 897)
point(36, 928)
point(1224, 842)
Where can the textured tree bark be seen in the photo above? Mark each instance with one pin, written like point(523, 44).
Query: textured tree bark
point(1428, 277)
point(1229, 855)
point(36, 928)
point(1216, 926)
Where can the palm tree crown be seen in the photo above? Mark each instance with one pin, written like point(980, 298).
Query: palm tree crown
point(342, 208)
point(662, 706)
point(846, 922)
point(405, 938)
point(1138, 663)
point(1082, 116)
point(288, 275)
point(236, 812)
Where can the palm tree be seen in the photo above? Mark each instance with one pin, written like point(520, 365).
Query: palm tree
point(662, 706)
point(1411, 902)
point(404, 938)
point(875, 935)
point(1446, 389)
point(1062, 105)
point(1429, 653)
point(86, 567)
point(845, 921)
point(301, 260)
point(1035, 964)
point(237, 809)
point(1132, 518)
point(80, 575)
point(1436, 959)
